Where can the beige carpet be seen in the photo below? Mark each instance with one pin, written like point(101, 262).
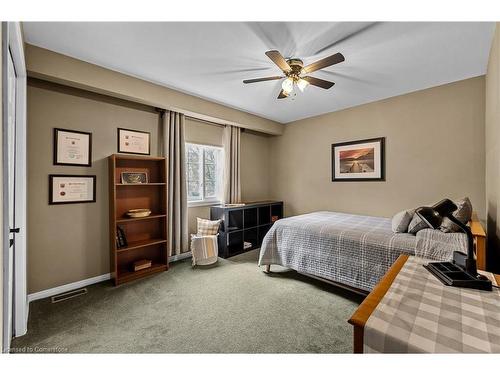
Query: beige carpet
point(232, 307)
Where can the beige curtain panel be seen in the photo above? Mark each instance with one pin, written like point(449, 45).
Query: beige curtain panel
point(174, 150)
point(232, 151)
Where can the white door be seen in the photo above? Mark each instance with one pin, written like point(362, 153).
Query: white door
point(15, 307)
point(11, 136)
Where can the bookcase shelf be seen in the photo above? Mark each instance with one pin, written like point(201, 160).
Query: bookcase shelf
point(150, 217)
point(140, 244)
point(125, 275)
point(146, 236)
point(137, 185)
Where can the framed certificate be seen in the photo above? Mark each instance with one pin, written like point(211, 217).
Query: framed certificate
point(64, 189)
point(72, 148)
point(133, 142)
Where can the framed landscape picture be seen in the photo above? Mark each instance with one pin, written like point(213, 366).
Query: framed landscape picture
point(72, 147)
point(362, 160)
point(134, 141)
point(64, 189)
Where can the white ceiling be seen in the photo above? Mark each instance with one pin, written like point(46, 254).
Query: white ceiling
point(210, 60)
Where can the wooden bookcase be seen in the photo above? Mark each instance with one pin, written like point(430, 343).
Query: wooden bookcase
point(147, 236)
point(248, 223)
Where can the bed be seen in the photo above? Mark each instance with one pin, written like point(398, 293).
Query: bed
point(353, 251)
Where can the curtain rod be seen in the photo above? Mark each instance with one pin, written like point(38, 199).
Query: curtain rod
point(192, 117)
point(206, 121)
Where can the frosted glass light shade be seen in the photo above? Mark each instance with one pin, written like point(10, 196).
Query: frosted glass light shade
point(287, 85)
point(302, 84)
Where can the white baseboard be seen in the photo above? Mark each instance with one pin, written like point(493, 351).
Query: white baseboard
point(83, 283)
point(67, 287)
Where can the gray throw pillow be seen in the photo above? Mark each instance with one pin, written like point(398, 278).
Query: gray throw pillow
point(416, 224)
point(463, 214)
point(401, 220)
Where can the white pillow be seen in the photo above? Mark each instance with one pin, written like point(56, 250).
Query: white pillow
point(401, 220)
point(207, 227)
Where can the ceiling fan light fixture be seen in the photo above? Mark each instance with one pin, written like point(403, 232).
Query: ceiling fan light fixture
point(287, 85)
point(302, 84)
point(293, 70)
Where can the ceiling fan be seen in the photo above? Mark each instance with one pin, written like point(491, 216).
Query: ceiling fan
point(294, 72)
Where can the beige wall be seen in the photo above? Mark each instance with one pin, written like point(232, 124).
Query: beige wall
point(434, 137)
point(254, 163)
point(493, 153)
point(54, 67)
point(255, 167)
point(434, 148)
point(68, 243)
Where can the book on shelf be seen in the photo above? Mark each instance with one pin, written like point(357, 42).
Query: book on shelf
point(234, 204)
point(141, 264)
point(121, 240)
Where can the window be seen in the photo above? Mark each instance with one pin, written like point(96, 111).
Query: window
point(203, 173)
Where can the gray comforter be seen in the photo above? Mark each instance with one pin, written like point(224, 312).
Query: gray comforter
point(350, 249)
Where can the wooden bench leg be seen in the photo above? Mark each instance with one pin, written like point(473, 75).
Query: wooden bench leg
point(358, 334)
point(267, 268)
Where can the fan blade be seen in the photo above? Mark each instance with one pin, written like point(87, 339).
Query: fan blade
point(319, 82)
point(262, 79)
point(282, 95)
point(323, 63)
point(279, 60)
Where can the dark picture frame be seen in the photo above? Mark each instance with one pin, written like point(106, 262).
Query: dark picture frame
point(56, 148)
point(51, 188)
point(134, 178)
point(377, 166)
point(122, 151)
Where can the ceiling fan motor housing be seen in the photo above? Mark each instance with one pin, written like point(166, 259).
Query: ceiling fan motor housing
point(296, 66)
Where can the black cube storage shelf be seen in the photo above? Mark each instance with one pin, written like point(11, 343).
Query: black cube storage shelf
point(248, 223)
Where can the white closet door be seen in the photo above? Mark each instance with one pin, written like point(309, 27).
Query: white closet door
point(11, 136)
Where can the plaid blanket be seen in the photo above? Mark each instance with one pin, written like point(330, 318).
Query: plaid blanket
point(419, 314)
point(350, 249)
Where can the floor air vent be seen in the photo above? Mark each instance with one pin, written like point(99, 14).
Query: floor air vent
point(68, 295)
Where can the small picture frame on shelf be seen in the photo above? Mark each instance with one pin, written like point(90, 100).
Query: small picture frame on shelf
point(72, 148)
point(66, 189)
point(134, 178)
point(134, 142)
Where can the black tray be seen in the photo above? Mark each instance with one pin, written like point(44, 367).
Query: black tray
point(450, 274)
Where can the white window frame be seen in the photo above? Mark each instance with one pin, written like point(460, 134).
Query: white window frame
point(206, 201)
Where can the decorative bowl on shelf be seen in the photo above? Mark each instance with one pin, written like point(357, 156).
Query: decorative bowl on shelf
point(139, 212)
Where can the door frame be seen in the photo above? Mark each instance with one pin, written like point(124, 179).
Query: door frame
point(12, 40)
